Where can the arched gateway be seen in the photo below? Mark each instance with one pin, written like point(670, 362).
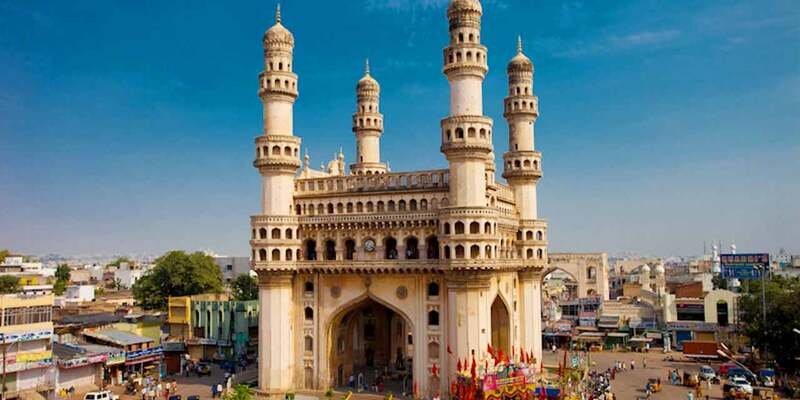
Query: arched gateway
point(388, 277)
point(371, 344)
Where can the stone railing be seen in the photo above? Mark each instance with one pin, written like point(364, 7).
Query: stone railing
point(433, 179)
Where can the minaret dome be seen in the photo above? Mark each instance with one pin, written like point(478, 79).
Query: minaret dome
point(278, 34)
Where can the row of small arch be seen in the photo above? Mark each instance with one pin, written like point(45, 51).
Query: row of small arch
point(519, 105)
point(459, 133)
point(360, 207)
point(271, 66)
point(516, 90)
point(474, 228)
point(288, 151)
point(468, 55)
point(276, 84)
point(472, 38)
point(360, 122)
point(524, 163)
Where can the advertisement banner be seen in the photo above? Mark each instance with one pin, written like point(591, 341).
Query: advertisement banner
point(743, 266)
point(25, 336)
point(30, 356)
point(149, 352)
point(116, 358)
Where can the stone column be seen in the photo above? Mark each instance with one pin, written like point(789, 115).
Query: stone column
point(467, 316)
point(276, 334)
point(531, 312)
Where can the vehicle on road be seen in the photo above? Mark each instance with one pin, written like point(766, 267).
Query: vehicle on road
point(203, 369)
point(700, 349)
point(707, 373)
point(741, 382)
point(767, 377)
point(100, 395)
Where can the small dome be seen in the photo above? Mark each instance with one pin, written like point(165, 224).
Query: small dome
point(660, 269)
point(368, 83)
point(278, 34)
point(645, 268)
point(520, 61)
point(457, 6)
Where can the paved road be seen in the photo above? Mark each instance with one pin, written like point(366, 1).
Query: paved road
point(199, 386)
point(629, 385)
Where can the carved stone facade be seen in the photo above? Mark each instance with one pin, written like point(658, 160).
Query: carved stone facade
point(383, 270)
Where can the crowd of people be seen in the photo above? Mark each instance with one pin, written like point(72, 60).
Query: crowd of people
point(155, 389)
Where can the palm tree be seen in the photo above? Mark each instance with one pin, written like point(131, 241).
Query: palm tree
point(239, 392)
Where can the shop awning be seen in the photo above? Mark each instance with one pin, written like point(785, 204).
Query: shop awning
point(653, 335)
point(617, 334)
point(608, 321)
point(591, 336)
point(640, 339)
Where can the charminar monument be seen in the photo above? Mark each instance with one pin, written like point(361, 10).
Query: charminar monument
point(386, 278)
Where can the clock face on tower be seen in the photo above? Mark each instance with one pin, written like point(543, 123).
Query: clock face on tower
point(369, 245)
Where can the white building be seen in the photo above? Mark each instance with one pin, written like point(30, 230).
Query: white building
point(231, 267)
point(127, 274)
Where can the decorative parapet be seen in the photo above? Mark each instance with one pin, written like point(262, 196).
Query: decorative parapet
point(431, 179)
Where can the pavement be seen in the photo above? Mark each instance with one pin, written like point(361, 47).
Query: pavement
point(194, 385)
point(629, 385)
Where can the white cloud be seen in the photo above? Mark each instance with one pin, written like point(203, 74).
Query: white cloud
point(612, 43)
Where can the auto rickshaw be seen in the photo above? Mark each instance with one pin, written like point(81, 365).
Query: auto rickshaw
point(690, 380)
point(655, 384)
point(764, 394)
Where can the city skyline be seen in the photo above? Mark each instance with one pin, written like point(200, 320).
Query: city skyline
point(662, 126)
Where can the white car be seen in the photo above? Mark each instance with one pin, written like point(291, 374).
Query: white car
point(741, 382)
point(707, 373)
point(101, 395)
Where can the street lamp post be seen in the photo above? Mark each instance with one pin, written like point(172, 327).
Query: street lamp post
point(763, 270)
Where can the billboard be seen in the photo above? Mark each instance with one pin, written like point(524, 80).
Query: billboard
point(743, 266)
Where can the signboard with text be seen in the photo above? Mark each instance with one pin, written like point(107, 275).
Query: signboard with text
point(743, 266)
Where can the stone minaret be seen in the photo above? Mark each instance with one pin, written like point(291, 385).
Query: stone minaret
point(368, 127)
point(467, 144)
point(522, 169)
point(466, 133)
point(275, 240)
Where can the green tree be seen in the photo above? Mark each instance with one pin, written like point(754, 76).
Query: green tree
point(177, 273)
point(239, 392)
point(3, 254)
point(9, 284)
point(62, 272)
point(782, 296)
point(60, 287)
point(244, 287)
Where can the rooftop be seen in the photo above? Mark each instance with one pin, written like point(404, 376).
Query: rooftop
point(121, 338)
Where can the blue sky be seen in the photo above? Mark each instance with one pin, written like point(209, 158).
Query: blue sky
point(127, 127)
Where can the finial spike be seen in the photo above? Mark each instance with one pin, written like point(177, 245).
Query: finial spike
point(519, 43)
point(366, 66)
point(278, 13)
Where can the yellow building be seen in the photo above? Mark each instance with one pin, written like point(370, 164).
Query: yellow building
point(26, 330)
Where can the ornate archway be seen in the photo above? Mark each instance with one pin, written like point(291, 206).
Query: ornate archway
point(370, 346)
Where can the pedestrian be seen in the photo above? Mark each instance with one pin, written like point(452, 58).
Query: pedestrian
point(219, 389)
point(690, 396)
point(644, 362)
point(633, 365)
point(213, 391)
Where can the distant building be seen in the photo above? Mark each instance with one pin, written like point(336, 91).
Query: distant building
point(127, 274)
point(83, 366)
point(231, 267)
point(213, 325)
point(141, 353)
point(79, 293)
point(26, 330)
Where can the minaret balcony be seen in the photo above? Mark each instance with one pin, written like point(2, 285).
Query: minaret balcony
point(521, 105)
point(522, 164)
point(467, 133)
point(465, 60)
point(277, 83)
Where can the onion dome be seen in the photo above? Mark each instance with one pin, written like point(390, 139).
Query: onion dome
point(368, 83)
point(645, 269)
point(459, 6)
point(660, 269)
point(278, 34)
point(520, 62)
